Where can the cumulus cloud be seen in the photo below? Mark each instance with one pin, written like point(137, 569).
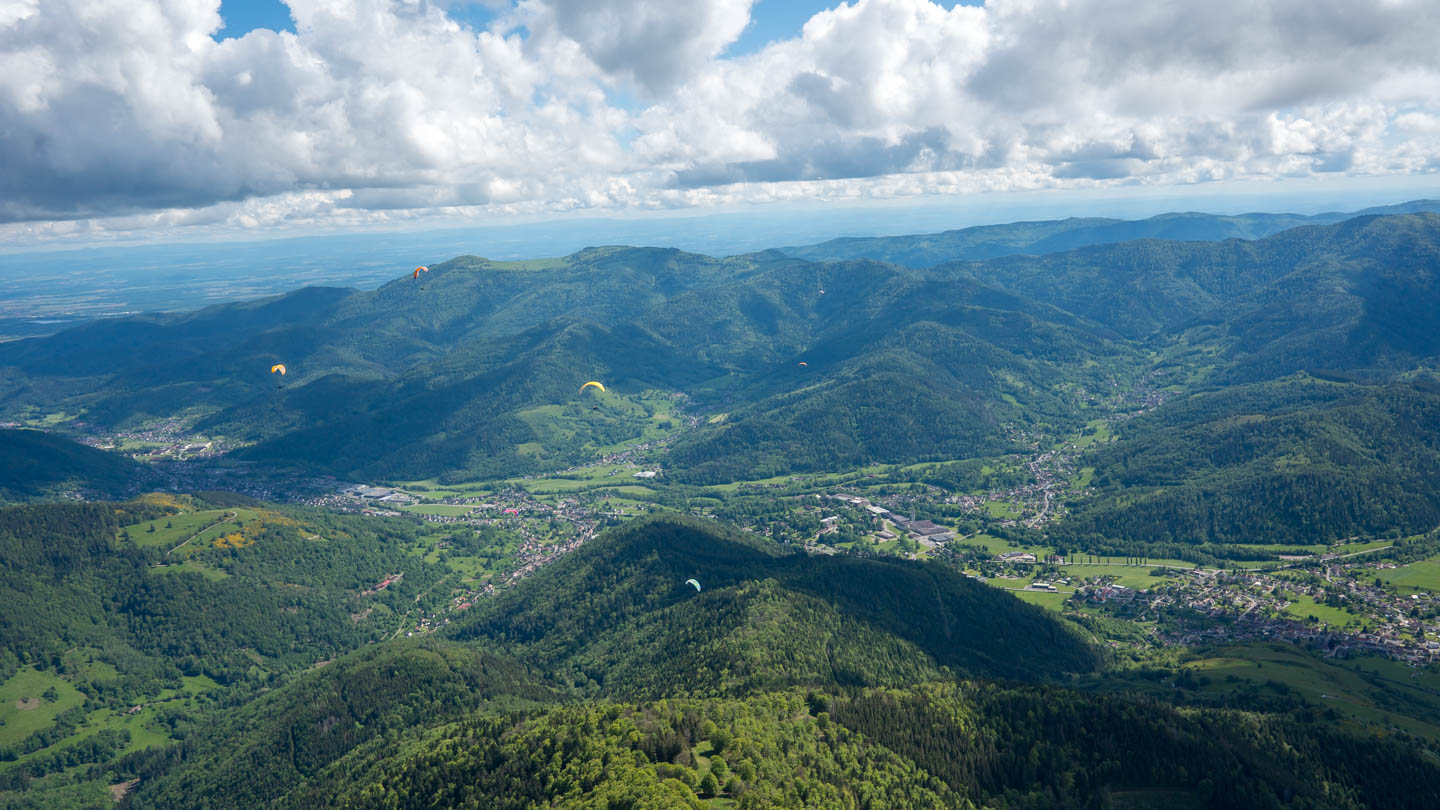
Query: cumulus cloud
point(119, 113)
point(658, 44)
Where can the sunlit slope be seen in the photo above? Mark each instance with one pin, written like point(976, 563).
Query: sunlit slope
point(470, 411)
point(617, 618)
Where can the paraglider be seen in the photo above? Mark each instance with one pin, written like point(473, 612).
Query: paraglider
point(512, 511)
point(419, 270)
point(588, 384)
point(280, 367)
point(694, 582)
point(803, 363)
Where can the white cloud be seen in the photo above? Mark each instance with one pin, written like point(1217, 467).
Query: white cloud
point(127, 115)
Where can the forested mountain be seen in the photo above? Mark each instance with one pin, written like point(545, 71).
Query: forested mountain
point(277, 593)
point(617, 618)
point(1299, 461)
point(933, 745)
point(35, 464)
point(415, 382)
point(1054, 236)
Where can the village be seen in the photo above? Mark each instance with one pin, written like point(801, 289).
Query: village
point(1205, 605)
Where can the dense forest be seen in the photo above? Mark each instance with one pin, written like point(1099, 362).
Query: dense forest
point(250, 613)
point(1299, 461)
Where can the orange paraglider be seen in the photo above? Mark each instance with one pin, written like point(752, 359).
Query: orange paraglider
point(419, 270)
point(803, 363)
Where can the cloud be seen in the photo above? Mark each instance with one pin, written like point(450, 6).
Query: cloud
point(658, 44)
point(128, 114)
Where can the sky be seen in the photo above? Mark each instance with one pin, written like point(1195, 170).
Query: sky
point(153, 120)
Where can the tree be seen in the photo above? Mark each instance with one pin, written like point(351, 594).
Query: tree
point(708, 786)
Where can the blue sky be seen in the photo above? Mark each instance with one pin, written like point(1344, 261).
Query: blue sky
point(243, 16)
point(771, 20)
point(380, 114)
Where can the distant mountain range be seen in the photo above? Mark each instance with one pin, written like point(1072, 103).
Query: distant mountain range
point(1054, 236)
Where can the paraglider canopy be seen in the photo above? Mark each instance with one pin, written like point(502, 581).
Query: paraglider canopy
point(803, 363)
point(419, 270)
point(694, 582)
point(280, 367)
point(588, 384)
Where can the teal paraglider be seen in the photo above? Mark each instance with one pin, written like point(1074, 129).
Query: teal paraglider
point(695, 583)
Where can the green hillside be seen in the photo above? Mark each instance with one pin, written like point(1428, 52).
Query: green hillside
point(602, 617)
point(1299, 461)
point(291, 739)
point(933, 745)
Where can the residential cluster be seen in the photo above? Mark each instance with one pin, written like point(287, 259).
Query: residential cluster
point(1209, 605)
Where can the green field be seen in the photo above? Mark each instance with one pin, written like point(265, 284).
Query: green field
point(181, 526)
point(1417, 576)
point(1361, 699)
point(1049, 601)
point(17, 723)
point(997, 545)
point(1097, 431)
point(1303, 606)
point(1002, 510)
point(448, 510)
point(199, 528)
point(634, 489)
point(1131, 576)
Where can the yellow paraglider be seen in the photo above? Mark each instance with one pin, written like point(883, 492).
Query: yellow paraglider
point(588, 384)
point(280, 367)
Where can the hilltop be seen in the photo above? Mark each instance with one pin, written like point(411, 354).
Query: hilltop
point(610, 613)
